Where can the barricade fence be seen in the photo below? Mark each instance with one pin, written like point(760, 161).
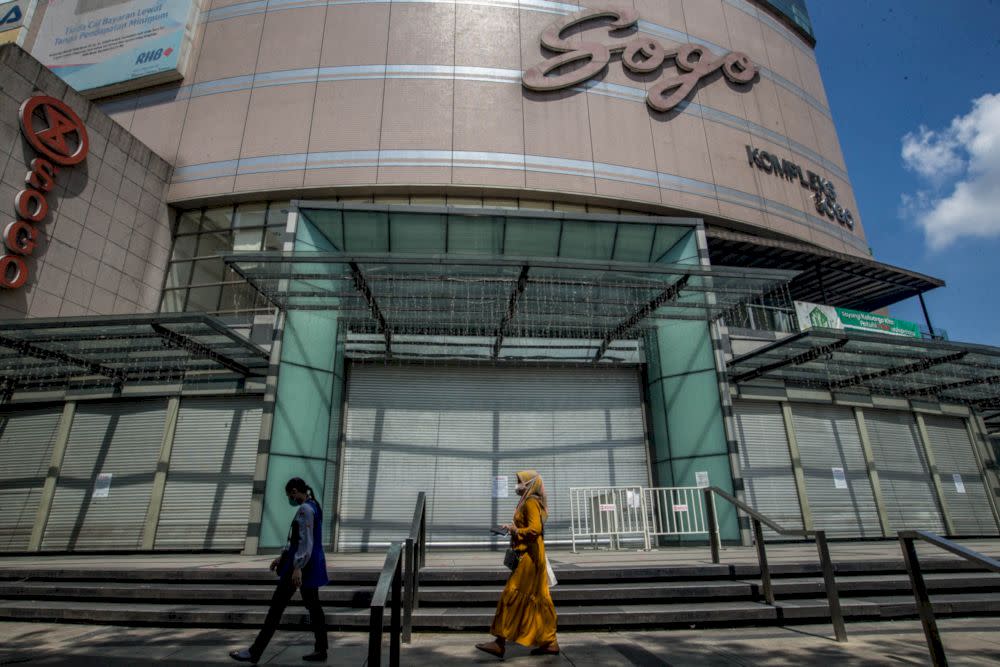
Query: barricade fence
point(617, 515)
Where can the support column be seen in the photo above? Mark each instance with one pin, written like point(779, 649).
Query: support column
point(55, 465)
point(866, 447)
point(980, 447)
point(800, 477)
point(160, 478)
point(935, 476)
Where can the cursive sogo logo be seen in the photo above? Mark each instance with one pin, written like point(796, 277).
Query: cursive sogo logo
point(641, 55)
point(57, 133)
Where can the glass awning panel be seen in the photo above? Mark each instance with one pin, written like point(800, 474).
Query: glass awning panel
point(115, 350)
point(516, 296)
point(878, 364)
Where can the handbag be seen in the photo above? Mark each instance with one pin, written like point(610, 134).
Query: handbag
point(552, 575)
point(511, 558)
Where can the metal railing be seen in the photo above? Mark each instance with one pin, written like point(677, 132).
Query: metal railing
point(608, 512)
point(907, 539)
point(758, 520)
point(391, 578)
point(677, 510)
point(414, 558)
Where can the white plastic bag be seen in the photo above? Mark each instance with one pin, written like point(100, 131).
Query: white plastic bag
point(552, 575)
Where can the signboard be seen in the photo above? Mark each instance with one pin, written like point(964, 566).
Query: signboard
point(607, 507)
point(701, 478)
point(12, 15)
point(102, 485)
point(959, 484)
point(824, 193)
point(633, 499)
point(680, 508)
point(500, 486)
point(830, 317)
point(839, 478)
point(108, 46)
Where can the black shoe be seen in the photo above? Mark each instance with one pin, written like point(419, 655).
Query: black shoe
point(315, 656)
point(243, 655)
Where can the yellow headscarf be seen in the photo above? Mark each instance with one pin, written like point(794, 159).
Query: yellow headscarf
point(536, 490)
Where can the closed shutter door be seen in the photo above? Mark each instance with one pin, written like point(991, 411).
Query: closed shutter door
point(451, 431)
point(765, 464)
point(122, 439)
point(210, 479)
point(26, 441)
point(828, 438)
point(970, 510)
point(910, 499)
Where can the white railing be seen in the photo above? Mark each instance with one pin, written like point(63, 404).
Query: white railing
point(610, 513)
point(676, 510)
point(614, 514)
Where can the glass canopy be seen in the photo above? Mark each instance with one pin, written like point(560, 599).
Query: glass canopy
point(878, 364)
point(115, 350)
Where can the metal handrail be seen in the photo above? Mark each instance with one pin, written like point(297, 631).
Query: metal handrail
point(924, 607)
point(391, 577)
point(758, 520)
point(415, 557)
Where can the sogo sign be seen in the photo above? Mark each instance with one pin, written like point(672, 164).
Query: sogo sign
point(59, 136)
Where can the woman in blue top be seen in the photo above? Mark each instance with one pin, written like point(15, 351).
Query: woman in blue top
point(301, 565)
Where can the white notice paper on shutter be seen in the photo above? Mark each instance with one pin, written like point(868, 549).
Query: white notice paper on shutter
point(102, 487)
point(959, 484)
point(839, 478)
point(500, 486)
point(701, 478)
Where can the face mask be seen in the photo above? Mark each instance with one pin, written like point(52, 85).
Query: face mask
point(292, 502)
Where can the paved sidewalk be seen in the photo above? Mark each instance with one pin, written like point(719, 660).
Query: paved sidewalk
point(968, 642)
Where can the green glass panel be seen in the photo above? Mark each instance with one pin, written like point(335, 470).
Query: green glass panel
point(531, 238)
point(634, 242)
point(277, 213)
point(694, 416)
point(652, 349)
point(179, 274)
point(216, 219)
point(189, 222)
point(658, 415)
point(675, 245)
point(185, 247)
point(215, 243)
point(366, 231)
point(277, 515)
point(416, 233)
point(302, 411)
point(474, 235)
point(247, 239)
point(664, 474)
point(250, 215)
point(208, 271)
point(310, 339)
point(685, 346)
point(587, 240)
point(309, 237)
point(329, 223)
point(203, 299)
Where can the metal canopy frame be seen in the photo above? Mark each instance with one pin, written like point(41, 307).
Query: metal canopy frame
point(829, 277)
point(102, 351)
point(878, 364)
point(498, 296)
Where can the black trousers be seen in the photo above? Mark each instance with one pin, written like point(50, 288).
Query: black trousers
point(282, 595)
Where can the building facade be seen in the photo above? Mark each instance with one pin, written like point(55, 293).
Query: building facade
point(394, 247)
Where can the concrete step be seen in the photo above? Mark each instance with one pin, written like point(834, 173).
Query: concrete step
point(737, 612)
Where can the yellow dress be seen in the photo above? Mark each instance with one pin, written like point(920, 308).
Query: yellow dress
point(525, 613)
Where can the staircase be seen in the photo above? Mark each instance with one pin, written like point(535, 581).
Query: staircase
point(587, 596)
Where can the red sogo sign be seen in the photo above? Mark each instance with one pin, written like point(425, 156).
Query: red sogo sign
point(59, 136)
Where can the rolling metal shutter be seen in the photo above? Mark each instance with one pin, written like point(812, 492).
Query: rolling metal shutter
point(452, 430)
point(26, 441)
point(123, 439)
point(970, 511)
point(766, 465)
point(910, 500)
point(206, 501)
point(828, 438)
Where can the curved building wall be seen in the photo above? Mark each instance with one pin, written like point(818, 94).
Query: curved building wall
point(310, 97)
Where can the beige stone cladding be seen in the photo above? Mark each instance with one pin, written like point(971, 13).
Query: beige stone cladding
point(104, 245)
point(307, 99)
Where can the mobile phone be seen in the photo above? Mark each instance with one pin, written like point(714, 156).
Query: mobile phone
point(497, 530)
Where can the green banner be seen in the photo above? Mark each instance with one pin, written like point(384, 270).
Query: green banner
point(829, 317)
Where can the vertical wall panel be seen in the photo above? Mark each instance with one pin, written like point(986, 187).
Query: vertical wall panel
point(27, 437)
point(210, 480)
point(966, 497)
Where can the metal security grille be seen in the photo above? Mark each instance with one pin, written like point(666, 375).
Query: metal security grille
point(903, 473)
point(210, 480)
point(122, 439)
point(965, 495)
point(461, 433)
point(26, 441)
point(766, 466)
point(830, 444)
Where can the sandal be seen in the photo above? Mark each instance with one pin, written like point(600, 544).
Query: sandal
point(549, 649)
point(492, 648)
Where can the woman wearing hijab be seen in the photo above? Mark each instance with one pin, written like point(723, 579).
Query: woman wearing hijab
point(525, 613)
point(301, 565)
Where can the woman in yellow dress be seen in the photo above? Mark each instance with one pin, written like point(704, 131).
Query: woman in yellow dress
point(525, 613)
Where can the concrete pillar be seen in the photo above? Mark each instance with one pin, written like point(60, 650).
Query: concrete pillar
point(160, 478)
point(935, 476)
point(980, 447)
point(866, 447)
point(49, 490)
point(796, 457)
